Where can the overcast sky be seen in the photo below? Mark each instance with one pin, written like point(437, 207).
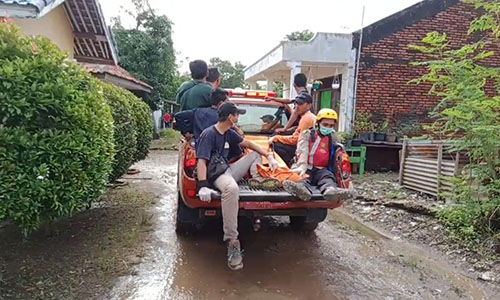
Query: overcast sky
point(244, 31)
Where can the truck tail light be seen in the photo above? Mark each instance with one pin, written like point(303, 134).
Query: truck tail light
point(190, 162)
point(190, 158)
point(346, 167)
point(191, 193)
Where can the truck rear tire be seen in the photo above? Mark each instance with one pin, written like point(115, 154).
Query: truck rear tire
point(310, 221)
point(187, 219)
point(298, 223)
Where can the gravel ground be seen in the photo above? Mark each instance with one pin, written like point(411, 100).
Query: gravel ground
point(409, 215)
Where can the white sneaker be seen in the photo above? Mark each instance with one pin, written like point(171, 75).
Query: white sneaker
point(234, 255)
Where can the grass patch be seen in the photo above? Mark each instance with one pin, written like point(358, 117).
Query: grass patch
point(168, 140)
point(85, 253)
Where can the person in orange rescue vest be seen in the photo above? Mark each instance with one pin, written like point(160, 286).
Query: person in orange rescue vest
point(315, 157)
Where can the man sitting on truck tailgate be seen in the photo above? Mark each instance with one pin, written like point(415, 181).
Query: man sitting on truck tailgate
point(213, 150)
point(315, 157)
point(285, 146)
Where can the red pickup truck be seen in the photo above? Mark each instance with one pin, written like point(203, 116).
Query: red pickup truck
point(191, 212)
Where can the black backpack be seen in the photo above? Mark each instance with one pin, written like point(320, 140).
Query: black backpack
point(184, 121)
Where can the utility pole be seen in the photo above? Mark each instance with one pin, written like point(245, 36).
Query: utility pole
point(357, 67)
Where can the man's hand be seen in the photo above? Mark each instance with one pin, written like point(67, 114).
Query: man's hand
point(279, 130)
point(273, 163)
point(238, 130)
point(267, 98)
point(300, 170)
point(205, 194)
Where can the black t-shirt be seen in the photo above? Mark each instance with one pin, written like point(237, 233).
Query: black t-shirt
point(211, 141)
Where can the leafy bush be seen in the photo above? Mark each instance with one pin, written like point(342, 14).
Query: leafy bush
point(143, 124)
point(470, 116)
point(125, 134)
point(56, 132)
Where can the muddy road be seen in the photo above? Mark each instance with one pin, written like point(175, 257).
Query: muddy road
point(342, 259)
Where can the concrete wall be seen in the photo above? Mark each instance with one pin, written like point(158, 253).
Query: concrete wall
point(54, 25)
point(324, 47)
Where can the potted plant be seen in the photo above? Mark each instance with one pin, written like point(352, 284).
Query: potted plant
point(346, 138)
point(391, 136)
point(381, 130)
point(317, 84)
point(336, 83)
point(363, 127)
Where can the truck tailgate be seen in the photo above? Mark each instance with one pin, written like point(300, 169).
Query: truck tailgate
point(248, 194)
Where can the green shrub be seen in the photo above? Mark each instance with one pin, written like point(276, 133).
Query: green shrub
point(459, 75)
point(144, 126)
point(125, 134)
point(56, 132)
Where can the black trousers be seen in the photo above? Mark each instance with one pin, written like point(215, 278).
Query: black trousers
point(322, 178)
point(286, 152)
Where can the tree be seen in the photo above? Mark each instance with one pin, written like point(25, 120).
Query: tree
point(469, 115)
point(232, 75)
point(304, 35)
point(147, 51)
point(278, 89)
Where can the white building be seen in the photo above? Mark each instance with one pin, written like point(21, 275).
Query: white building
point(328, 57)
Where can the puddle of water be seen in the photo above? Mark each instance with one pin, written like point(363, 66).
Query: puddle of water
point(277, 266)
point(154, 277)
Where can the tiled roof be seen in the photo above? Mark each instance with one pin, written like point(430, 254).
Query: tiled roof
point(92, 37)
point(113, 70)
point(34, 8)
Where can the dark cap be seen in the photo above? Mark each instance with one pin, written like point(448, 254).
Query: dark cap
point(228, 108)
point(303, 98)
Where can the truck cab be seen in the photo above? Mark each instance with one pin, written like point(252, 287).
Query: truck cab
point(254, 203)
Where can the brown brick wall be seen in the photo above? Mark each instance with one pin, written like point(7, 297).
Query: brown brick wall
point(383, 88)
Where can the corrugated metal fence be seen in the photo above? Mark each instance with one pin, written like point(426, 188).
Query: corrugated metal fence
point(427, 166)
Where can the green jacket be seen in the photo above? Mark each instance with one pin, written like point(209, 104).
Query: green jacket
point(193, 94)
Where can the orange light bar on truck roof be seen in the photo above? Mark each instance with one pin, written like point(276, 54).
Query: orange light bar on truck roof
point(257, 94)
point(250, 94)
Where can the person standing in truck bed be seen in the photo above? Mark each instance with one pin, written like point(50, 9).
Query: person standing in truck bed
point(285, 146)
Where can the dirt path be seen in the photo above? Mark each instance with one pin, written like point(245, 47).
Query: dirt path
point(342, 259)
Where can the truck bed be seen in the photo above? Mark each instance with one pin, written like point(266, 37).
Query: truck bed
point(248, 194)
